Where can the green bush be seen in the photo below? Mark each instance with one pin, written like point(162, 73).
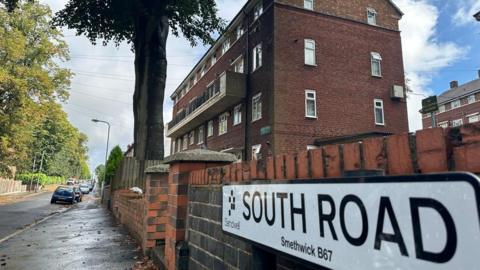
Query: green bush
point(42, 179)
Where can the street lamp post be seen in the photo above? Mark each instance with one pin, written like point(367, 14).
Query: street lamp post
point(106, 153)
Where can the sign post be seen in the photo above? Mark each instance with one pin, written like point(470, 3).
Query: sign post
point(400, 222)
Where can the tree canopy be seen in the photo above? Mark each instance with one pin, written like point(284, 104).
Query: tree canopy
point(35, 133)
point(145, 24)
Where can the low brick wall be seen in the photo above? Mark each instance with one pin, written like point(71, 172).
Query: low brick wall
point(11, 186)
point(129, 209)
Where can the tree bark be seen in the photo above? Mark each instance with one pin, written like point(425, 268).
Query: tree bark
point(150, 80)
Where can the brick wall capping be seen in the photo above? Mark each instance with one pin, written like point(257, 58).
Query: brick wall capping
point(161, 168)
point(350, 138)
point(201, 155)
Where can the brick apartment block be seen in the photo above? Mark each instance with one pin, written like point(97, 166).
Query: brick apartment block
point(457, 106)
point(288, 75)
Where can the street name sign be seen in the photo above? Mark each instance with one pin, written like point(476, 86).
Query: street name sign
point(429, 105)
point(423, 222)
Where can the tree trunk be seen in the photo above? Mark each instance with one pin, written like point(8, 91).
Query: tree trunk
point(150, 80)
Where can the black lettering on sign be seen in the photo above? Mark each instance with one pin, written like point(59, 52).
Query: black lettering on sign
point(257, 194)
point(451, 245)
point(282, 196)
point(396, 237)
point(326, 217)
point(247, 206)
point(298, 211)
point(272, 220)
point(363, 236)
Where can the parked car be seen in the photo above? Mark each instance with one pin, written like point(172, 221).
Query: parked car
point(64, 194)
point(70, 182)
point(91, 185)
point(78, 194)
point(84, 188)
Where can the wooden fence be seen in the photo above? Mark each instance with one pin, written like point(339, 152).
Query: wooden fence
point(131, 173)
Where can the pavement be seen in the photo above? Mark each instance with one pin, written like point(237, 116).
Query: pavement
point(83, 237)
point(16, 216)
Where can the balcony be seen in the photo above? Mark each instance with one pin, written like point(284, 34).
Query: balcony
point(226, 91)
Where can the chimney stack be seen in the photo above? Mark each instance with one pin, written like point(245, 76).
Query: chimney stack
point(453, 84)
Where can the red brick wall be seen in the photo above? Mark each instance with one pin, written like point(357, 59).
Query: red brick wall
point(129, 209)
point(427, 151)
point(356, 10)
point(342, 78)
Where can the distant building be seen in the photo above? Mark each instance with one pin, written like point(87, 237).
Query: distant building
point(457, 106)
point(287, 75)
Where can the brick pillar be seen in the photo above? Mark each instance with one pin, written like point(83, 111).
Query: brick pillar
point(156, 202)
point(181, 164)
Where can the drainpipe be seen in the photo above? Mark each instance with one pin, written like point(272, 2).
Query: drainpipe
point(247, 89)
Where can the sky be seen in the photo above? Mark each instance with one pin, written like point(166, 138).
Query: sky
point(440, 39)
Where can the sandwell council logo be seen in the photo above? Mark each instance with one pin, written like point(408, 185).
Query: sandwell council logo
point(231, 201)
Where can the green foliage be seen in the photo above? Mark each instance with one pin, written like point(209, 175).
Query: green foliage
point(114, 160)
point(116, 20)
point(43, 179)
point(33, 127)
point(100, 172)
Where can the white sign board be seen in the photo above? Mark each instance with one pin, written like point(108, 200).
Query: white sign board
point(408, 222)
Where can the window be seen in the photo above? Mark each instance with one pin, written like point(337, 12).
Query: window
point(256, 151)
point(210, 128)
point(443, 124)
point(456, 104)
point(239, 31)
point(214, 59)
point(238, 65)
point(310, 104)
point(185, 142)
point(257, 11)
point(376, 64)
point(308, 4)
point(257, 57)
point(471, 99)
point(174, 147)
point(473, 118)
point(457, 123)
point(310, 52)
point(237, 115)
point(191, 136)
point(371, 16)
point(379, 114)
point(223, 124)
point(312, 147)
point(202, 71)
point(225, 46)
point(179, 144)
point(257, 107)
point(441, 109)
point(200, 134)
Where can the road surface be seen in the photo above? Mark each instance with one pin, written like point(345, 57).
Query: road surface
point(84, 237)
point(16, 216)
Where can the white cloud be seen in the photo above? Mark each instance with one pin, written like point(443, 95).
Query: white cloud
point(423, 54)
point(465, 12)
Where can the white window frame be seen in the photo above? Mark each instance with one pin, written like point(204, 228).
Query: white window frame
point(173, 147)
point(310, 47)
point(225, 46)
point(308, 4)
point(191, 137)
point(258, 10)
point(376, 107)
point(223, 124)
point(257, 107)
point(441, 109)
point(371, 11)
point(257, 57)
point(210, 128)
point(237, 115)
point(457, 122)
point(256, 151)
point(239, 65)
point(240, 31)
point(376, 58)
point(456, 102)
point(179, 144)
point(185, 142)
point(471, 99)
point(307, 99)
point(443, 124)
point(201, 134)
point(476, 115)
point(214, 59)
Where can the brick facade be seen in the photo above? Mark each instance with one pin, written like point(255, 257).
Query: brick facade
point(342, 77)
